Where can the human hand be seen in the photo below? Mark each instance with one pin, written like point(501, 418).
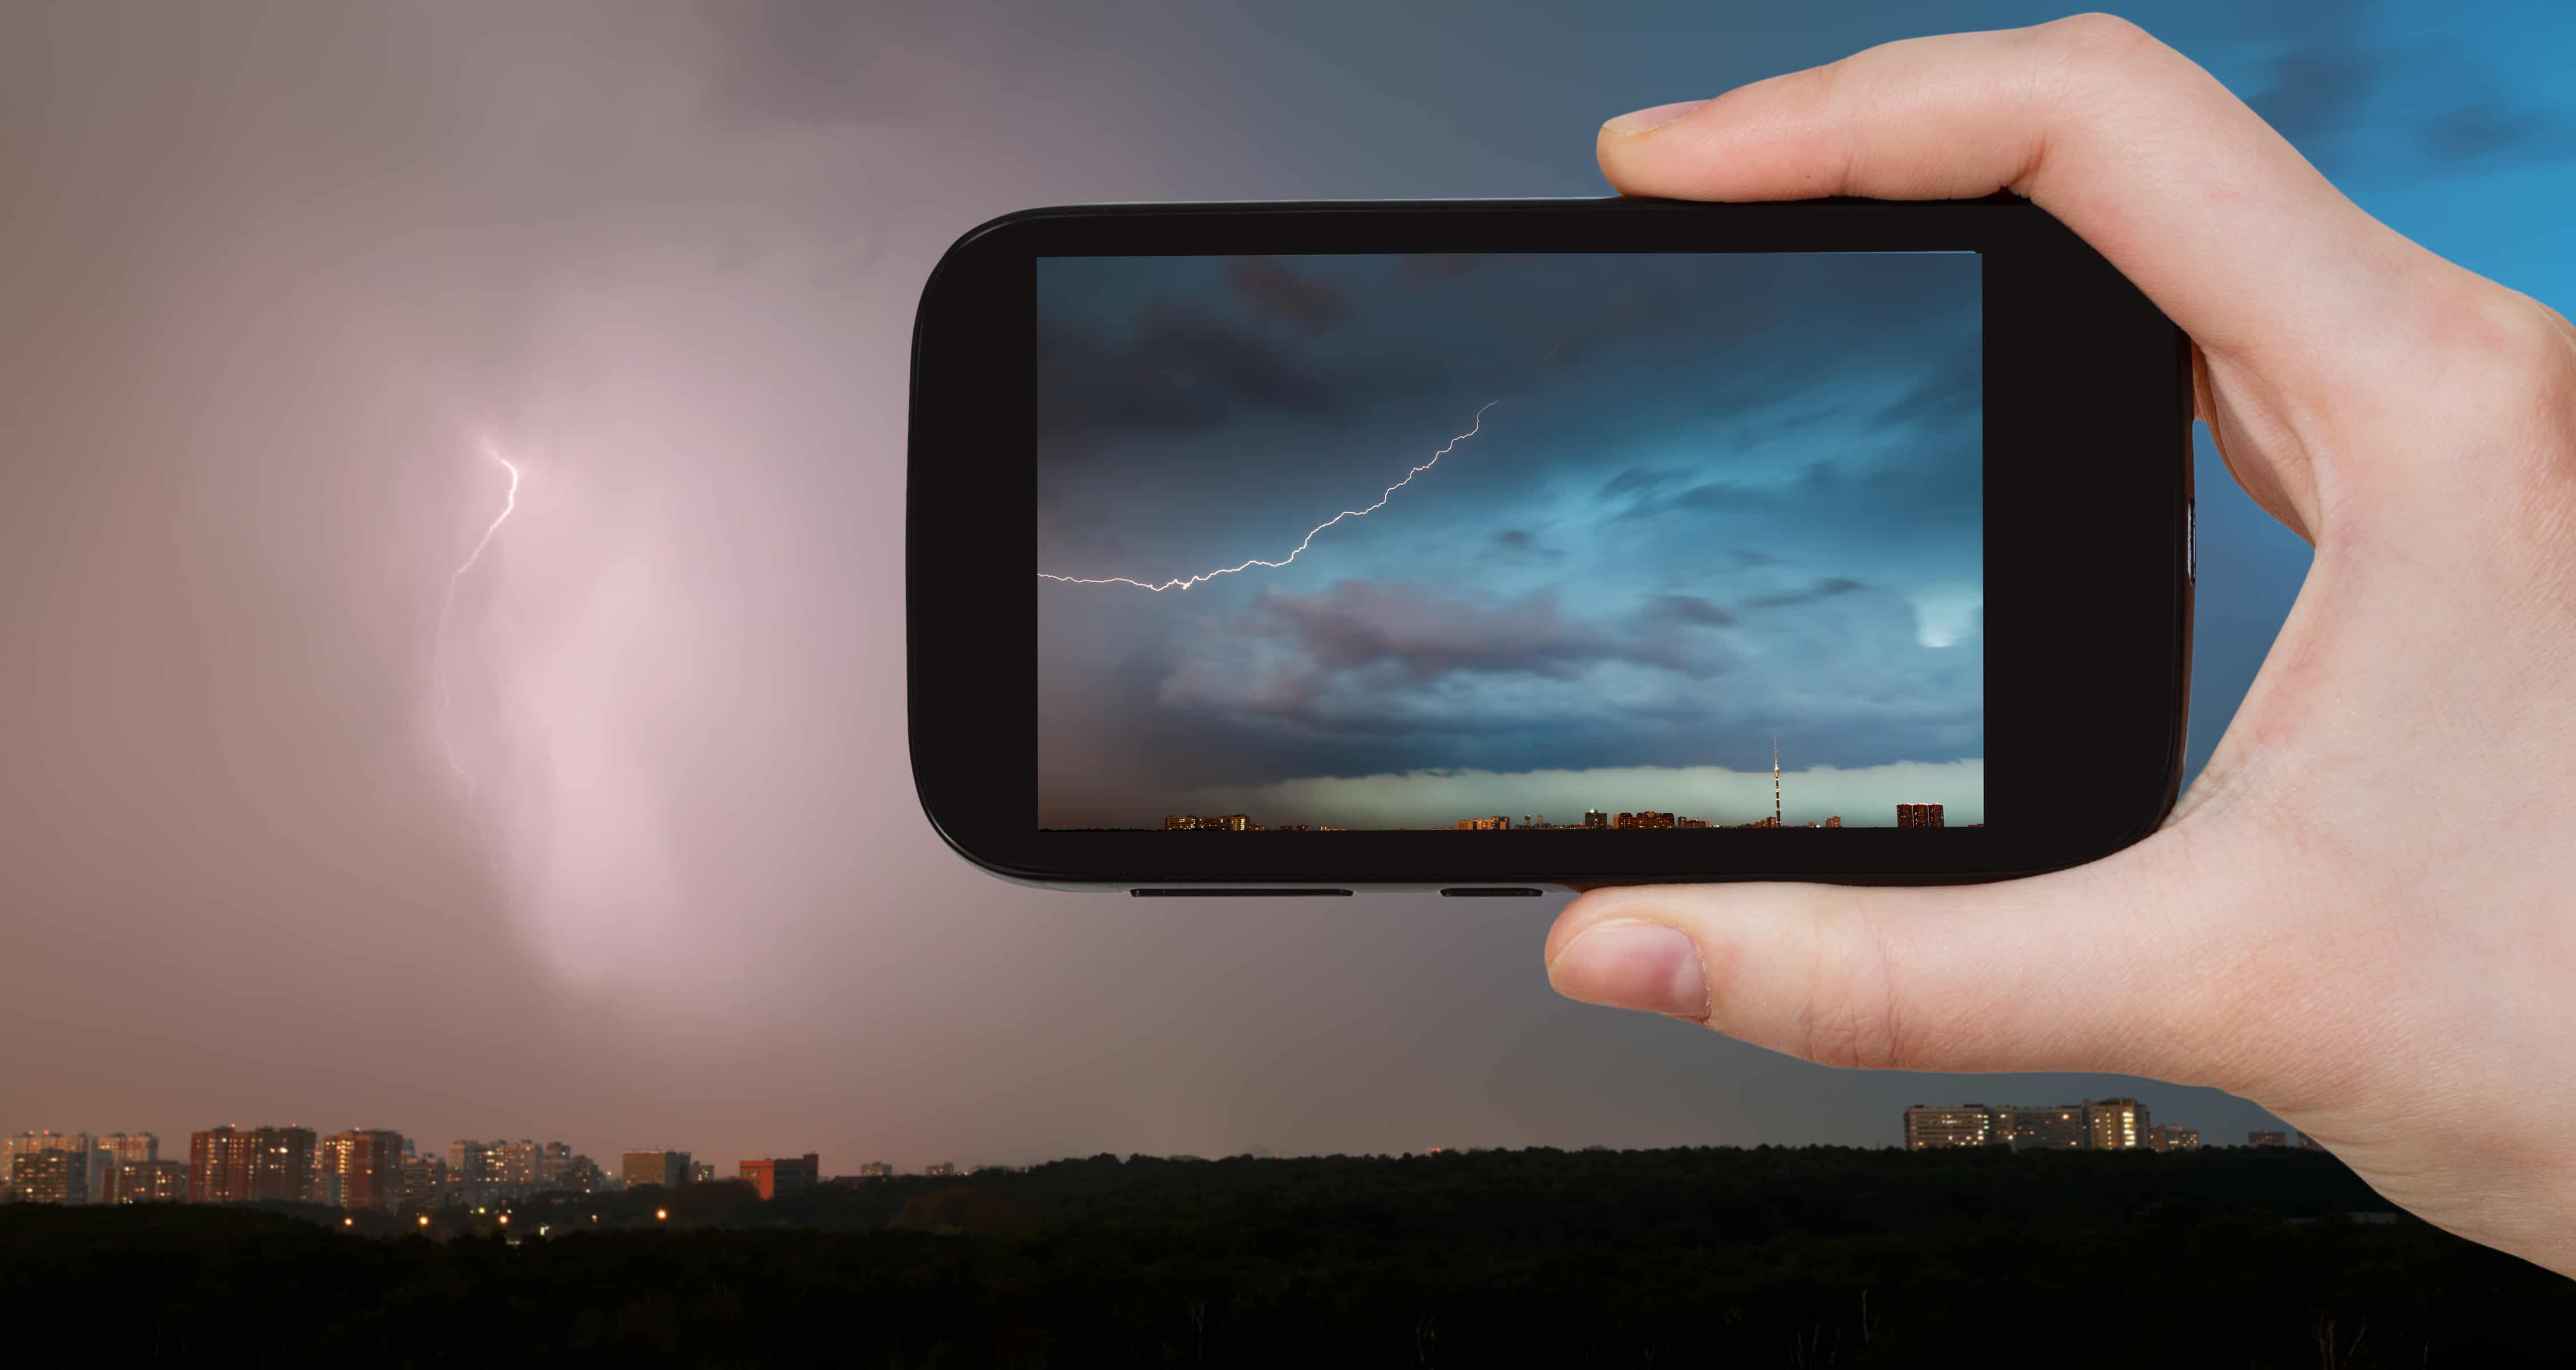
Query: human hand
point(2363, 913)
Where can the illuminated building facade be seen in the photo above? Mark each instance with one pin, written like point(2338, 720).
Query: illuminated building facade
point(1222, 822)
point(219, 1165)
point(149, 1182)
point(1918, 815)
point(2167, 1137)
point(1931, 1129)
point(1594, 818)
point(2093, 1125)
point(367, 1169)
point(669, 1169)
point(783, 1174)
point(55, 1175)
point(2115, 1124)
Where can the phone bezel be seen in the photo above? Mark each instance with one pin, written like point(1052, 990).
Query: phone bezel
point(2088, 576)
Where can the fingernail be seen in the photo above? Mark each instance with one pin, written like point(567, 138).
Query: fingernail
point(1629, 964)
point(1645, 119)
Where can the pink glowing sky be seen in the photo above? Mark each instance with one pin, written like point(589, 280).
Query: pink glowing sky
point(274, 277)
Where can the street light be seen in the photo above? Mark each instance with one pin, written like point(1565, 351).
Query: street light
point(661, 1214)
point(424, 1220)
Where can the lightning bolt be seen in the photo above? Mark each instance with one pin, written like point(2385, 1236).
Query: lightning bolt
point(447, 610)
point(1186, 582)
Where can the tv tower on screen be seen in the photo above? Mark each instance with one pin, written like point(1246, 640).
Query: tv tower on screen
point(1775, 780)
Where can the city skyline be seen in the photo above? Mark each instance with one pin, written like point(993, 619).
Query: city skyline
point(377, 1169)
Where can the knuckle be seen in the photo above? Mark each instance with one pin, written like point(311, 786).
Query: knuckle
point(1852, 1014)
point(2087, 55)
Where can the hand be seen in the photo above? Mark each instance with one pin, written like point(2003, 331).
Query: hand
point(2363, 914)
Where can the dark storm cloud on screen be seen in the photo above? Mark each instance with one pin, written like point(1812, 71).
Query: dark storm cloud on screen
point(1714, 499)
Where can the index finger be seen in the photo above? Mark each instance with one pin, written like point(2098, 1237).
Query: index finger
point(2146, 156)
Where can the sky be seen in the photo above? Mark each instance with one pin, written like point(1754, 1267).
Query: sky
point(1689, 504)
point(274, 276)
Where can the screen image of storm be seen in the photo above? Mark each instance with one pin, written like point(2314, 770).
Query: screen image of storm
point(1553, 541)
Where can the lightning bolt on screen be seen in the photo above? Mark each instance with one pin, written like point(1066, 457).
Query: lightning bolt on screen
point(1476, 543)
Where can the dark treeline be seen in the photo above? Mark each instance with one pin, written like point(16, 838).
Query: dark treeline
point(1811, 1257)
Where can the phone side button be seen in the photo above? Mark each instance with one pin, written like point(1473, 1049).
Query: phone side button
point(1185, 893)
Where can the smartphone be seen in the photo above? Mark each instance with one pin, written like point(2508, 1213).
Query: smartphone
point(1491, 546)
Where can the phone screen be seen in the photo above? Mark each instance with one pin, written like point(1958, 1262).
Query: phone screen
point(1621, 541)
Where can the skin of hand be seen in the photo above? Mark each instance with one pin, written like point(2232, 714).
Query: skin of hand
point(2363, 913)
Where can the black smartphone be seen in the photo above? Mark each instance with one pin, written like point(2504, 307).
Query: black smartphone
point(1485, 546)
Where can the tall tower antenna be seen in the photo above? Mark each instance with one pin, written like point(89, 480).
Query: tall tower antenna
point(1775, 780)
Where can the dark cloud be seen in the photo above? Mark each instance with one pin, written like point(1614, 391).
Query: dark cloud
point(1823, 589)
point(1690, 609)
point(2317, 91)
point(1521, 545)
point(1426, 634)
point(1180, 369)
point(1309, 303)
point(2496, 129)
point(1638, 480)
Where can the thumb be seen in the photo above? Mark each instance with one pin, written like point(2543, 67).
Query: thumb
point(2084, 969)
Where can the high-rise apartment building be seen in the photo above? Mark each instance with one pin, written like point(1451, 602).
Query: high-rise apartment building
point(29, 1143)
point(1594, 818)
point(2115, 1124)
point(942, 1169)
point(1918, 815)
point(281, 1164)
point(149, 1182)
point(669, 1169)
point(877, 1170)
point(219, 1165)
point(2267, 1137)
point(94, 1170)
point(424, 1183)
point(513, 1168)
point(553, 1160)
point(366, 1166)
point(783, 1174)
point(702, 1172)
point(469, 1169)
point(131, 1147)
point(53, 1175)
point(582, 1174)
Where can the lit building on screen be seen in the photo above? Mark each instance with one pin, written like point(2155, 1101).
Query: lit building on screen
point(1594, 818)
point(2167, 1137)
point(1918, 815)
point(1497, 823)
point(1219, 822)
point(2267, 1137)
